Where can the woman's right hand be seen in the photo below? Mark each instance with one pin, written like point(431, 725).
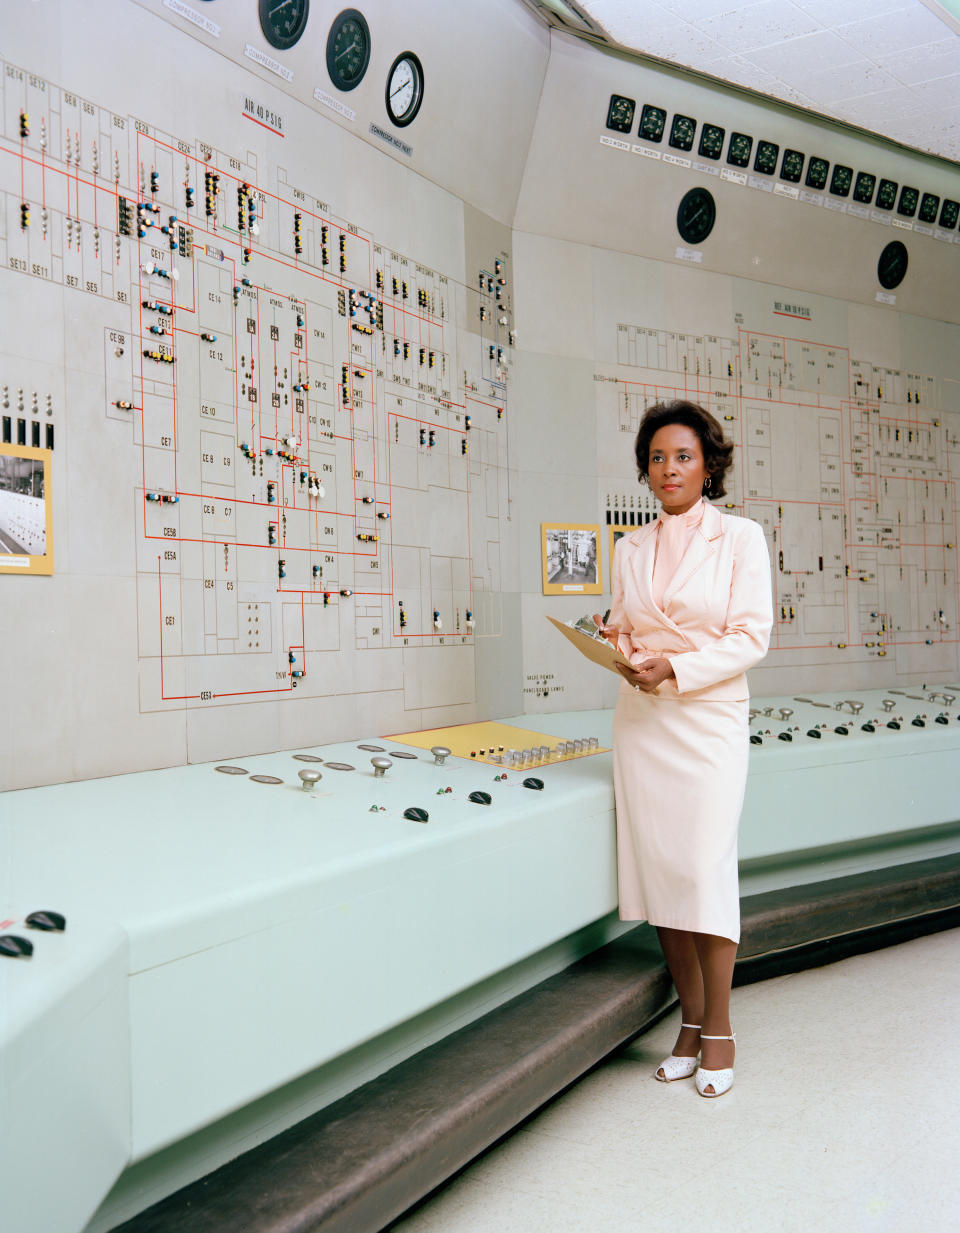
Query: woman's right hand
point(610, 632)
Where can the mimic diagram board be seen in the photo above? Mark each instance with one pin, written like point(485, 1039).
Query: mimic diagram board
point(309, 425)
point(850, 467)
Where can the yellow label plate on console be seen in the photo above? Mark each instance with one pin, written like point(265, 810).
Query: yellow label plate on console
point(487, 741)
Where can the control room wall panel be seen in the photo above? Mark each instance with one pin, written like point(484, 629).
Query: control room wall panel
point(306, 499)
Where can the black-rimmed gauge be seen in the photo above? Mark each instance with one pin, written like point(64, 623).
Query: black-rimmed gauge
point(841, 180)
point(909, 199)
point(766, 160)
point(283, 21)
point(682, 130)
point(817, 171)
point(696, 215)
point(404, 89)
point(711, 141)
point(929, 205)
point(348, 49)
point(791, 168)
point(620, 113)
point(863, 187)
point(653, 120)
point(738, 152)
point(886, 194)
point(892, 266)
point(949, 212)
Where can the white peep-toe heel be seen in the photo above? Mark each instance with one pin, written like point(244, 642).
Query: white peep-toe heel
point(720, 1080)
point(674, 1067)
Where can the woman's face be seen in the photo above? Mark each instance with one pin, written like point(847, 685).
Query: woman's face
point(675, 468)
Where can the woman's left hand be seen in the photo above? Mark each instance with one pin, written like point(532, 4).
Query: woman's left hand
point(648, 675)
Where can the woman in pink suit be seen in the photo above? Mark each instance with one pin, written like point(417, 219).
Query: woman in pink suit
point(692, 611)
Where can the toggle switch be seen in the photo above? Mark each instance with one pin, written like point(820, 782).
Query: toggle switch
point(47, 921)
point(15, 947)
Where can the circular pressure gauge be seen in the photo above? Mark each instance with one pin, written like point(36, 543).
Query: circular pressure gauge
point(892, 266)
point(404, 89)
point(348, 49)
point(283, 21)
point(696, 215)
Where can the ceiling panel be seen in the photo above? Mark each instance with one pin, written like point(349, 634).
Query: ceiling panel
point(890, 66)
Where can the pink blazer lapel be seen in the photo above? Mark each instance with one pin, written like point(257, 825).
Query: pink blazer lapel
point(701, 548)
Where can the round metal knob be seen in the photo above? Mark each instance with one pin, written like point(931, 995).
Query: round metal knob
point(308, 779)
point(440, 754)
point(888, 704)
point(855, 706)
point(380, 766)
point(785, 712)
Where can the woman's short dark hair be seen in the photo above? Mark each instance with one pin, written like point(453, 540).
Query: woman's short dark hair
point(717, 452)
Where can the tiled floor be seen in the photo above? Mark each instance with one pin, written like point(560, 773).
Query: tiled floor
point(843, 1117)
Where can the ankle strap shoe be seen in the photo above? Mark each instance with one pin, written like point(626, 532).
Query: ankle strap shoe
point(674, 1067)
point(720, 1080)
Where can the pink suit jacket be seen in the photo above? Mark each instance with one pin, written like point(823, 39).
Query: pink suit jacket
point(717, 610)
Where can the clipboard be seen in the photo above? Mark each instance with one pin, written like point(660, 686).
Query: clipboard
point(596, 650)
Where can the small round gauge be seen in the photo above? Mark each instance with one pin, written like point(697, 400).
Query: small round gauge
point(348, 49)
point(653, 120)
point(682, 130)
point(739, 150)
point(791, 169)
point(892, 266)
point(817, 170)
point(929, 205)
point(864, 186)
point(696, 215)
point(283, 21)
point(841, 180)
point(766, 160)
point(404, 89)
point(949, 212)
point(887, 195)
point(620, 113)
point(908, 201)
point(711, 141)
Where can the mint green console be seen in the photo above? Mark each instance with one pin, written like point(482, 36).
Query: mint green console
point(228, 940)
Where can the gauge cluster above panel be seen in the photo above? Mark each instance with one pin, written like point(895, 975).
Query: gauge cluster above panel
point(348, 46)
point(765, 158)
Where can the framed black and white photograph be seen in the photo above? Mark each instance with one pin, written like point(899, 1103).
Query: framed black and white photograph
point(26, 522)
point(571, 559)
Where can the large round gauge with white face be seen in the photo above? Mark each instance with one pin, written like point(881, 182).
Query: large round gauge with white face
point(404, 89)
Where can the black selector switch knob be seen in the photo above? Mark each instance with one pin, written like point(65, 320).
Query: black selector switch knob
point(15, 947)
point(842, 730)
point(785, 736)
point(416, 814)
point(892, 723)
point(941, 719)
point(755, 739)
point(49, 922)
point(533, 782)
point(917, 722)
point(480, 798)
point(815, 733)
point(867, 728)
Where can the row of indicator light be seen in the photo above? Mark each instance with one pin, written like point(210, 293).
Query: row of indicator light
point(7, 434)
point(211, 188)
point(437, 620)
